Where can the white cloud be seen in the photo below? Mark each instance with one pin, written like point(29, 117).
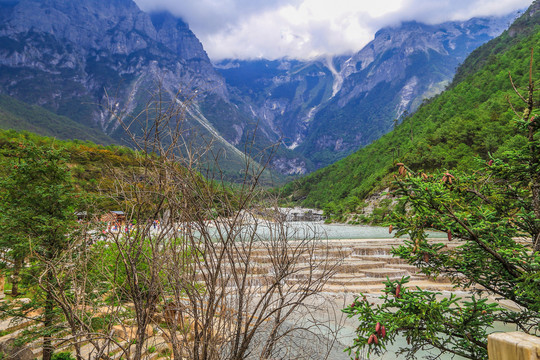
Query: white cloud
point(308, 28)
point(434, 12)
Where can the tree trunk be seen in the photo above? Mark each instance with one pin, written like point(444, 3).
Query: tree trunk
point(534, 164)
point(15, 277)
point(536, 206)
point(535, 185)
point(48, 319)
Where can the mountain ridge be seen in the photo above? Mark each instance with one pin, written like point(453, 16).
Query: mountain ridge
point(402, 66)
point(471, 120)
point(87, 59)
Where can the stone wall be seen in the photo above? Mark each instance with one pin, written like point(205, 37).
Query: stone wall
point(513, 346)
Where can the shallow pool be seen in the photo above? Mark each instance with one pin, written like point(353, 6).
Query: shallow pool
point(319, 230)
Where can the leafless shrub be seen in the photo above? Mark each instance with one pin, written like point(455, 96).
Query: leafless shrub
point(194, 264)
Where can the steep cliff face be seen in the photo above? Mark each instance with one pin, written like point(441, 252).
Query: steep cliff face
point(68, 55)
point(87, 24)
point(93, 45)
point(330, 107)
point(285, 94)
point(395, 50)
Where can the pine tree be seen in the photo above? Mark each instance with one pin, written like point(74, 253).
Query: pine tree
point(36, 218)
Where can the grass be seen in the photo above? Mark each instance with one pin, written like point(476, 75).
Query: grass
point(23, 292)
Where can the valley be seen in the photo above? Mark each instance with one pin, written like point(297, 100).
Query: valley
point(370, 201)
point(314, 112)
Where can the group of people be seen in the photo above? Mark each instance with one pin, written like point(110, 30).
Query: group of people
point(116, 227)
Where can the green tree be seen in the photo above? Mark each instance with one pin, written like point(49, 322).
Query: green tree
point(493, 214)
point(38, 201)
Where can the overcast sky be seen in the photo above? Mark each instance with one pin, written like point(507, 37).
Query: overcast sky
point(248, 29)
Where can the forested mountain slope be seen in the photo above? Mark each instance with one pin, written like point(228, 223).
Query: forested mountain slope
point(473, 118)
point(18, 115)
point(90, 164)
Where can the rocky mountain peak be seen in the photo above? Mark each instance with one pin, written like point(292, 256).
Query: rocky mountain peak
point(176, 35)
point(330, 107)
point(118, 26)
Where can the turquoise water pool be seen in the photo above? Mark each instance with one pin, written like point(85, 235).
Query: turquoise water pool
point(302, 230)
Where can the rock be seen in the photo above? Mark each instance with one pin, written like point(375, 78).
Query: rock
point(24, 300)
point(16, 352)
point(129, 332)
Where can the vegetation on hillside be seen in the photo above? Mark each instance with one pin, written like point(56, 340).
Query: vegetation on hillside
point(17, 115)
point(37, 203)
point(470, 119)
point(89, 164)
point(493, 214)
point(20, 116)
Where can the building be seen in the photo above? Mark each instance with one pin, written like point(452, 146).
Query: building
point(114, 217)
point(301, 214)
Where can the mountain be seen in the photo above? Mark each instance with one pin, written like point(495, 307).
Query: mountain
point(59, 53)
point(329, 107)
point(85, 59)
point(88, 59)
point(471, 119)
